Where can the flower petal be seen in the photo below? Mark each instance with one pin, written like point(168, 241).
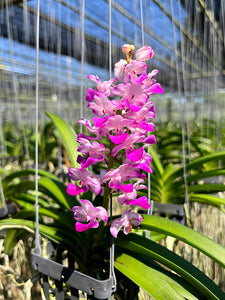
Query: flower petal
point(80, 227)
point(136, 155)
point(116, 226)
point(117, 139)
point(126, 188)
point(74, 190)
point(142, 202)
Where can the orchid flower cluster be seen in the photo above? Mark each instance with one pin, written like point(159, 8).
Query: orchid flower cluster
point(123, 115)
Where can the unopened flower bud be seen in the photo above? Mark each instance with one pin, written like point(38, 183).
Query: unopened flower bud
point(128, 50)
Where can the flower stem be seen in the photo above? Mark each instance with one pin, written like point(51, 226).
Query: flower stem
point(107, 189)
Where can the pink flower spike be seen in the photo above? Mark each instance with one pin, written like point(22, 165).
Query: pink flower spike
point(117, 139)
point(142, 202)
point(144, 53)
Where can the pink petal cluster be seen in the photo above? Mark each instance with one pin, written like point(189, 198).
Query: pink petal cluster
point(124, 116)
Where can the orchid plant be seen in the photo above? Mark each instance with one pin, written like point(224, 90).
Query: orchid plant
point(124, 116)
point(109, 162)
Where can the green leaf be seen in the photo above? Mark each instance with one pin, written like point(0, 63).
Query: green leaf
point(28, 198)
point(145, 249)
point(59, 236)
point(156, 163)
point(11, 239)
point(207, 199)
point(68, 137)
point(187, 235)
point(26, 173)
point(57, 191)
point(196, 163)
point(207, 174)
point(206, 188)
point(156, 283)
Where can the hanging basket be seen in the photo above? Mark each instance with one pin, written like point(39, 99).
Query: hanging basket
point(175, 211)
point(74, 280)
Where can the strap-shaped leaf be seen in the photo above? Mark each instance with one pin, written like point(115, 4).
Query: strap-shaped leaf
point(207, 174)
point(196, 163)
point(145, 249)
point(207, 188)
point(187, 235)
point(69, 240)
point(156, 283)
point(207, 199)
point(57, 191)
point(68, 136)
point(25, 173)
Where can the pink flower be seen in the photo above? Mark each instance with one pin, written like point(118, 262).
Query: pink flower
point(104, 87)
point(90, 94)
point(144, 53)
point(91, 129)
point(155, 89)
point(126, 221)
point(125, 197)
point(86, 180)
point(123, 173)
point(94, 152)
point(146, 112)
point(102, 106)
point(119, 69)
point(128, 143)
point(93, 149)
point(142, 202)
point(134, 93)
point(112, 123)
point(139, 159)
point(88, 214)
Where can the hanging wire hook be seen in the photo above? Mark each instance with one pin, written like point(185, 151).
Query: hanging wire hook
point(82, 64)
point(37, 242)
point(151, 202)
point(112, 245)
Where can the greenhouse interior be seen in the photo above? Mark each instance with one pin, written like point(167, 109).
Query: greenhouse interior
point(112, 149)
